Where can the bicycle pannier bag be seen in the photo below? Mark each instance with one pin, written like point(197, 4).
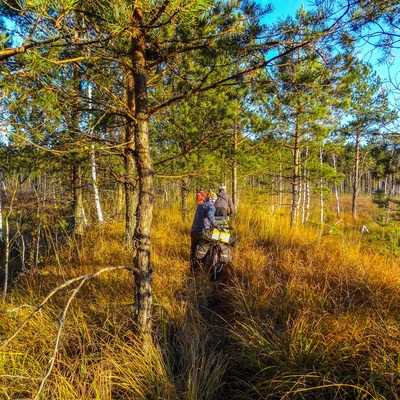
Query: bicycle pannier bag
point(202, 250)
point(226, 253)
point(207, 235)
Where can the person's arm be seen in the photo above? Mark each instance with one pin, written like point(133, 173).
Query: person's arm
point(211, 217)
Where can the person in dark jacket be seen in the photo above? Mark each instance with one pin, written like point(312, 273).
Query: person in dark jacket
point(204, 218)
point(224, 205)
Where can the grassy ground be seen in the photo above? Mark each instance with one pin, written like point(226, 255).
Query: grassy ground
point(305, 313)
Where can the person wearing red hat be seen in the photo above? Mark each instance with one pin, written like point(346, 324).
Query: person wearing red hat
point(201, 196)
point(204, 218)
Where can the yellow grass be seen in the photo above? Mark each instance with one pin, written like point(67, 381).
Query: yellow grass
point(299, 314)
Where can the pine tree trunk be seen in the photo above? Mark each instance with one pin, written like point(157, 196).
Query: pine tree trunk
point(335, 188)
point(369, 182)
point(144, 163)
point(280, 198)
point(294, 212)
point(321, 190)
point(356, 178)
point(235, 198)
point(38, 231)
point(131, 200)
point(223, 171)
point(306, 192)
point(131, 196)
point(184, 202)
point(184, 198)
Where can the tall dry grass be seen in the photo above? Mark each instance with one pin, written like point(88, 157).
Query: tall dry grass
point(299, 314)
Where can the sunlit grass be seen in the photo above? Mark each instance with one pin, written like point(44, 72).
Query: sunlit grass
point(304, 313)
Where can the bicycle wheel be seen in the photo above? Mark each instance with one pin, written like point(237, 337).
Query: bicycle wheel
point(217, 264)
point(216, 270)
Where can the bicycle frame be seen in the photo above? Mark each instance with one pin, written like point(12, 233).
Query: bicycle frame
point(217, 265)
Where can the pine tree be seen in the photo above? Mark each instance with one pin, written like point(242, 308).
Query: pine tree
point(368, 115)
point(301, 112)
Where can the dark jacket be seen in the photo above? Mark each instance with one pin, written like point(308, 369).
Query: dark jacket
point(224, 204)
point(204, 217)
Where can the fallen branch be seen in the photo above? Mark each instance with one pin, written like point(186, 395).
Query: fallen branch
point(74, 292)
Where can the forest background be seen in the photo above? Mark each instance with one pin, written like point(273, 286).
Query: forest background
point(112, 115)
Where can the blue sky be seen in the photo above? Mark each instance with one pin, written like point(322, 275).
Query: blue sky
point(284, 8)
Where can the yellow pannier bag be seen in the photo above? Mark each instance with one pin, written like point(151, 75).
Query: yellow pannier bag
point(224, 237)
point(215, 234)
point(221, 236)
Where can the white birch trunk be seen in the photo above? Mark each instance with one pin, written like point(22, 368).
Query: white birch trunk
point(95, 186)
point(23, 250)
point(94, 167)
point(85, 222)
point(386, 185)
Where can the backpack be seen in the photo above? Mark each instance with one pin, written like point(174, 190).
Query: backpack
point(222, 204)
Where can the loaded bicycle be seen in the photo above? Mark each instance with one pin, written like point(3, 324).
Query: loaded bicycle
point(213, 253)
